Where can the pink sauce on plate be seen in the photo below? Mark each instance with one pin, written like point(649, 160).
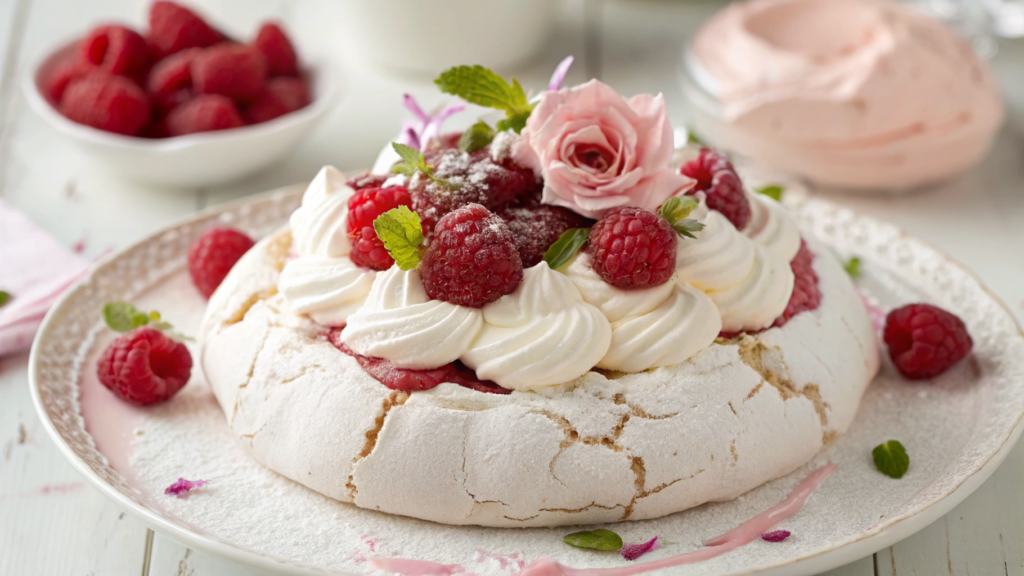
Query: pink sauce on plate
point(741, 535)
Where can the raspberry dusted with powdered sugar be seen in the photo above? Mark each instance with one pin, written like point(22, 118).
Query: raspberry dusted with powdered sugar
point(633, 248)
point(474, 178)
point(472, 259)
point(536, 227)
point(806, 294)
point(717, 178)
point(145, 366)
point(925, 341)
point(363, 208)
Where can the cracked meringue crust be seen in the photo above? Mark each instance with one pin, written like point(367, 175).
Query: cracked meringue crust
point(602, 448)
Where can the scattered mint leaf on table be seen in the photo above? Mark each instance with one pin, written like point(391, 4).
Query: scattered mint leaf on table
point(600, 539)
point(891, 459)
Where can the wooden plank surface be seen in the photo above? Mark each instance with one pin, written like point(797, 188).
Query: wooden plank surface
point(52, 523)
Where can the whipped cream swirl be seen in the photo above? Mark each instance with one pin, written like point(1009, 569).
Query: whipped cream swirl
point(318, 226)
point(651, 327)
point(540, 335)
point(760, 298)
point(328, 290)
point(772, 226)
point(401, 323)
point(719, 258)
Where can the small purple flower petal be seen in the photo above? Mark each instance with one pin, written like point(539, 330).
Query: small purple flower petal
point(634, 551)
point(182, 486)
point(776, 536)
point(409, 135)
point(412, 106)
point(560, 71)
point(433, 127)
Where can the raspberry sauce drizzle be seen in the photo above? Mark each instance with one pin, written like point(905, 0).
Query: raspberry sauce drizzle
point(741, 535)
point(409, 380)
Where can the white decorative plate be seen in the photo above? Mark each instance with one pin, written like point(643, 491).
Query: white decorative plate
point(957, 430)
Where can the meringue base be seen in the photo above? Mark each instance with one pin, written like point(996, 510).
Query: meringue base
point(602, 448)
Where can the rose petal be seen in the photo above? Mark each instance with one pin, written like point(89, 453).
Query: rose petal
point(634, 551)
point(182, 487)
point(775, 536)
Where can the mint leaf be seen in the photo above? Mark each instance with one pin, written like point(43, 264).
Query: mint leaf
point(5, 297)
point(402, 234)
point(692, 138)
point(773, 192)
point(600, 539)
point(123, 317)
point(413, 162)
point(567, 245)
point(675, 210)
point(483, 87)
point(853, 267)
point(476, 137)
point(891, 459)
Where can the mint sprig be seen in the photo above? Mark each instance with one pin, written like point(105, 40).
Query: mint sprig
point(675, 210)
point(853, 267)
point(599, 539)
point(124, 317)
point(891, 459)
point(5, 297)
point(402, 234)
point(481, 86)
point(476, 137)
point(567, 245)
point(413, 162)
point(774, 192)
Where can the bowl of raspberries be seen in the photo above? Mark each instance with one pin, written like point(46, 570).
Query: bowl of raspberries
point(181, 103)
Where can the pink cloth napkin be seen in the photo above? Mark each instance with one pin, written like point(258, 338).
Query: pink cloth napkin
point(34, 269)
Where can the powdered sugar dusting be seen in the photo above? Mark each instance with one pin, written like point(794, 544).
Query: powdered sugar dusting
point(501, 146)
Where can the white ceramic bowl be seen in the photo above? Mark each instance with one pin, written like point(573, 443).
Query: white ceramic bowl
point(193, 160)
point(427, 37)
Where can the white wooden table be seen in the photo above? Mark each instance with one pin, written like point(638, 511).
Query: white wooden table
point(52, 523)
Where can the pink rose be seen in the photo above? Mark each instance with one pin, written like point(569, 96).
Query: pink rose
point(598, 151)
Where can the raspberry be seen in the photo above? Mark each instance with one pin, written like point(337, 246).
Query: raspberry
point(535, 229)
point(472, 259)
point(111, 103)
point(173, 28)
point(275, 46)
point(212, 256)
point(409, 380)
point(115, 50)
point(60, 77)
point(806, 294)
point(633, 248)
point(170, 80)
point(283, 95)
point(447, 141)
point(925, 341)
point(204, 113)
point(232, 70)
point(363, 208)
point(144, 366)
point(717, 178)
point(480, 180)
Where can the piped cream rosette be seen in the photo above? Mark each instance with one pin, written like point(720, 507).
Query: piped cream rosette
point(322, 282)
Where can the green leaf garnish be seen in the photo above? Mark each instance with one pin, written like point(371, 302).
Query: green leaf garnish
point(123, 317)
point(5, 297)
point(402, 234)
point(692, 138)
point(599, 539)
point(413, 162)
point(567, 245)
point(774, 192)
point(481, 86)
point(853, 267)
point(891, 459)
point(675, 210)
point(476, 137)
